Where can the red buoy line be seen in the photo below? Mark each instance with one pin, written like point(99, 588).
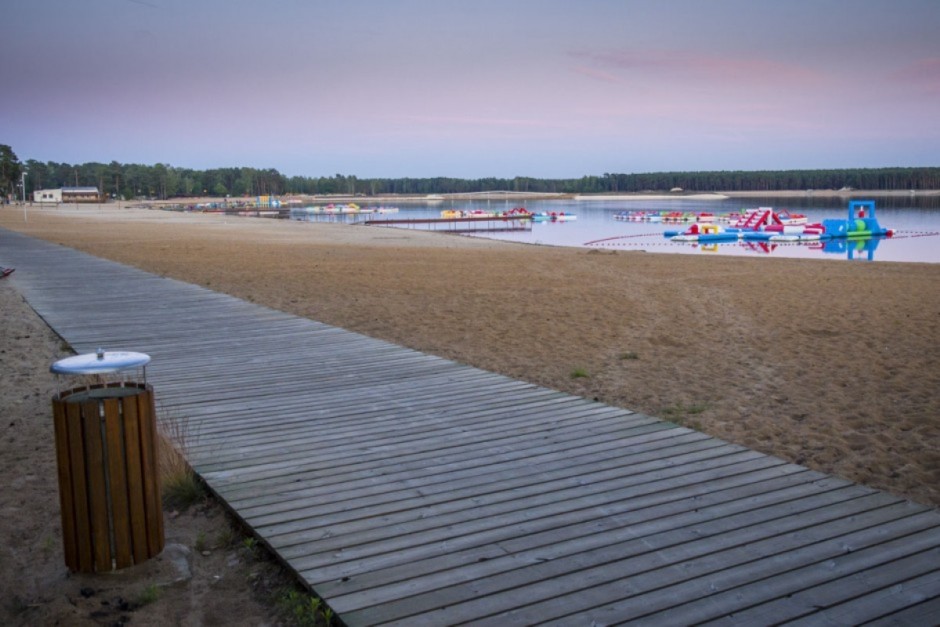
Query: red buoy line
point(911, 234)
point(607, 239)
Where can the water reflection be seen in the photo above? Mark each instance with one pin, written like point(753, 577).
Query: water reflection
point(915, 220)
point(853, 249)
point(857, 249)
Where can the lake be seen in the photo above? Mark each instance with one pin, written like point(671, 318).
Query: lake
point(915, 220)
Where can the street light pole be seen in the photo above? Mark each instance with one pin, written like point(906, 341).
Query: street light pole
point(23, 185)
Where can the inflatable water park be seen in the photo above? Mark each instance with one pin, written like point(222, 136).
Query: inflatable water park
point(514, 213)
point(766, 225)
point(343, 209)
point(553, 216)
point(669, 217)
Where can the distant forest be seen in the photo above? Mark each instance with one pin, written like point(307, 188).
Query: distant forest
point(164, 181)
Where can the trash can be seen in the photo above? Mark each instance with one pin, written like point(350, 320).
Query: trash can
point(106, 450)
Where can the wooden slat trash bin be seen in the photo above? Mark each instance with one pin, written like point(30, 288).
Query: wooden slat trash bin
point(106, 449)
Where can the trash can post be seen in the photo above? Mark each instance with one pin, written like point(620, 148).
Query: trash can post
point(106, 451)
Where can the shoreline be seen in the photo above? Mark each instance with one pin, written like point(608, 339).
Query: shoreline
point(816, 193)
point(522, 196)
point(651, 196)
point(837, 193)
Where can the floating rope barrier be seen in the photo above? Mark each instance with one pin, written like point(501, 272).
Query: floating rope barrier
point(912, 234)
point(607, 239)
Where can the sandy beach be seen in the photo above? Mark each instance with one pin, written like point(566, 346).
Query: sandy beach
point(835, 366)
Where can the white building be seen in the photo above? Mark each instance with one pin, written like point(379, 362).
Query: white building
point(67, 194)
point(47, 195)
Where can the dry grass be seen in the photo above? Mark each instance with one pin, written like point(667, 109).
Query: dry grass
point(181, 487)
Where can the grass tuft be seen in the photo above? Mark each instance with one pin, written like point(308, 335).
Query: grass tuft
point(148, 595)
point(303, 609)
point(182, 490)
point(181, 487)
point(201, 543)
point(251, 547)
point(226, 538)
point(679, 414)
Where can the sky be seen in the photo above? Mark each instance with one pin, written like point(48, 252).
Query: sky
point(473, 88)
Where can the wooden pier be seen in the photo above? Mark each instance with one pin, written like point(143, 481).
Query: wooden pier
point(466, 224)
point(407, 489)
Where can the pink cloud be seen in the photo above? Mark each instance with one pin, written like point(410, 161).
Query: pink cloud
point(689, 65)
point(923, 73)
point(479, 121)
point(600, 75)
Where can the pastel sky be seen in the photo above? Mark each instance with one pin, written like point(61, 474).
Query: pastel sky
point(473, 88)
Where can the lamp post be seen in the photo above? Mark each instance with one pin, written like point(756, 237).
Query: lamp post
point(23, 186)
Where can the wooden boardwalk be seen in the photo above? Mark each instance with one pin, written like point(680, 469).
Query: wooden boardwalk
point(408, 489)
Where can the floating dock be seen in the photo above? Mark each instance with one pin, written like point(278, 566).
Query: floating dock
point(472, 224)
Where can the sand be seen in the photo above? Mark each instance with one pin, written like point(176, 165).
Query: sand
point(831, 364)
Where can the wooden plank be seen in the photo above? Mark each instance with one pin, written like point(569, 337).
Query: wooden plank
point(117, 479)
point(921, 613)
point(486, 498)
point(333, 410)
point(438, 480)
point(850, 600)
point(148, 462)
point(250, 387)
point(426, 471)
point(96, 486)
point(347, 555)
point(79, 489)
point(135, 481)
point(412, 436)
point(426, 476)
point(867, 569)
point(642, 577)
point(682, 506)
point(414, 448)
point(66, 495)
point(331, 418)
point(383, 465)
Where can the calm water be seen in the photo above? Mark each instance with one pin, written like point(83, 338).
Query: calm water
point(916, 222)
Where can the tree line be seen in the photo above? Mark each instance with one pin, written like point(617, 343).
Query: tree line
point(161, 181)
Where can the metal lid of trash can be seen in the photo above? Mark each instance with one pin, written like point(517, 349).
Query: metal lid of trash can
point(100, 362)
